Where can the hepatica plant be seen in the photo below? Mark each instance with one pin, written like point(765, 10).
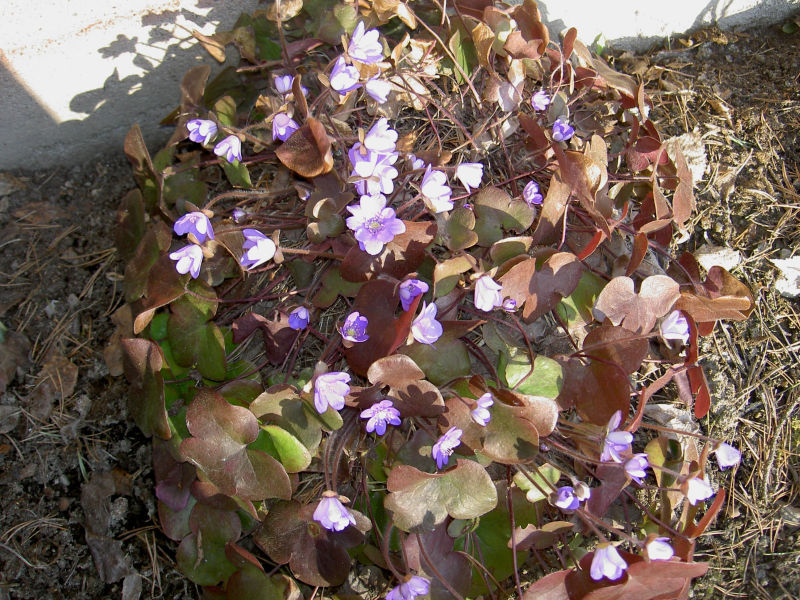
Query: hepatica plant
point(398, 291)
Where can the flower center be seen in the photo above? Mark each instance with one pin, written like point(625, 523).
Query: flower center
point(374, 225)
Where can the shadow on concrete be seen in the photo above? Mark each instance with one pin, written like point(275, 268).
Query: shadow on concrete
point(145, 98)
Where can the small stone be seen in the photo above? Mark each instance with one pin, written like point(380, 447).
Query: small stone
point(709, 256)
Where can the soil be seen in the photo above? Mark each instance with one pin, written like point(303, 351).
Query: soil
point(63, 423)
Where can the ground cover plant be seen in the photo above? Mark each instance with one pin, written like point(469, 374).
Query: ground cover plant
point(420, 328)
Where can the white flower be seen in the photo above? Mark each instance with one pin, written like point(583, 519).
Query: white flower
point(470, 175)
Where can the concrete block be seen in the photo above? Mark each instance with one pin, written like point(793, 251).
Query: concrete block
point(76, 74)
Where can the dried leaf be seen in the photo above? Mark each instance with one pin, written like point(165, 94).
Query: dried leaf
point(308, 151)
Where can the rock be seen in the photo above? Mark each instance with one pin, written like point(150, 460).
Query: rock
point(788, 283)
point(709, 256)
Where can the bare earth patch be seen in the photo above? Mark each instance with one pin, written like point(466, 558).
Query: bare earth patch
point(63, 423)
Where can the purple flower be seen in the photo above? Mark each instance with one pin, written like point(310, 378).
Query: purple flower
point(425, 328)
point(445, 445)
point(298, 318)
point(562, 130)
point(470, 175)
point(331, 514)
point(566, 499)
point(374, 169)
point(196, 223)
point(659, 549)
point(364, 45)
point(201, 131)
point(615, 442)
point(480, 414)
point(540, 100)
point(380, 415)
point(487, 293)
point(355, 328)
point(410, 289)
point(531, 194)
point(434, 188)
point(283, 126)
point(238, 214)
point(698, 489)
point(416, 163)
point(330, 390)
point(374, 225)
point(230, 147)
point(189, 260)
point(344, 78)
point(410, 589)
point(284, 83)
point(257, 249)
point(675, 327)
point(509, 305)
point(380, 137)
point(635, 467)
point(727, 456)
point(378, 89)
point(607, 562)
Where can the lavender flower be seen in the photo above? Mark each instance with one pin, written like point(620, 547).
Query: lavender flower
point(189, 260)
point(698, 489)
point(196, 223)
point(331, 513)
point(374, 225)
point(562, 130)
point(298, 318)
point(480, 414)
point(434, 188)
point(238, 214)
point(540, 100)
point(201, 131)
point(425, 328)
point(230, 147)
point(445, 445)
point(470, 175)
point(380, 137)
point(675, 327)
point(330, 390)
point(410, 289)
point(727, 456)
point(378, 89)
point(509, 305)
point(380, 415)
point(615, 442)
point(487, 293)
point(355, 328)
point(283, 126)
point(416, 163)
point(284, 83)
point(364, 45)
point(531, 194)
point(635, 467)
point(374, 169)
point(257, 249)
point(410, 589)
point(607, 562)
point(659, 549)
point(565, 498)
point(344, 78)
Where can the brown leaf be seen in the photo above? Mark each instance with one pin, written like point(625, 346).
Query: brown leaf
point(541, 289)
point(278, 336)
point(414, 396)
point(13, 353)
point(637, 312)
point(721, 296)
point(308, 151)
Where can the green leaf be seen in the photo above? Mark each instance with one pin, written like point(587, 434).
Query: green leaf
point(420, 501)
point(546, 380)
point(201, 554)
point(496, 212)
point(158, 327)
point(183, 186)
point(225, 109)
point(142, 362)
point(445, 360)
point(251, 583)
point(282, 445)
point(463, 49)
point(576, 309)
point(546, 473)
point(237, 174)
point(332, 286)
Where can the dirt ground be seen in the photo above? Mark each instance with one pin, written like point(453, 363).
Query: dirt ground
point(63, 424)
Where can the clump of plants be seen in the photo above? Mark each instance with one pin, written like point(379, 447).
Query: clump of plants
point(399, 290)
